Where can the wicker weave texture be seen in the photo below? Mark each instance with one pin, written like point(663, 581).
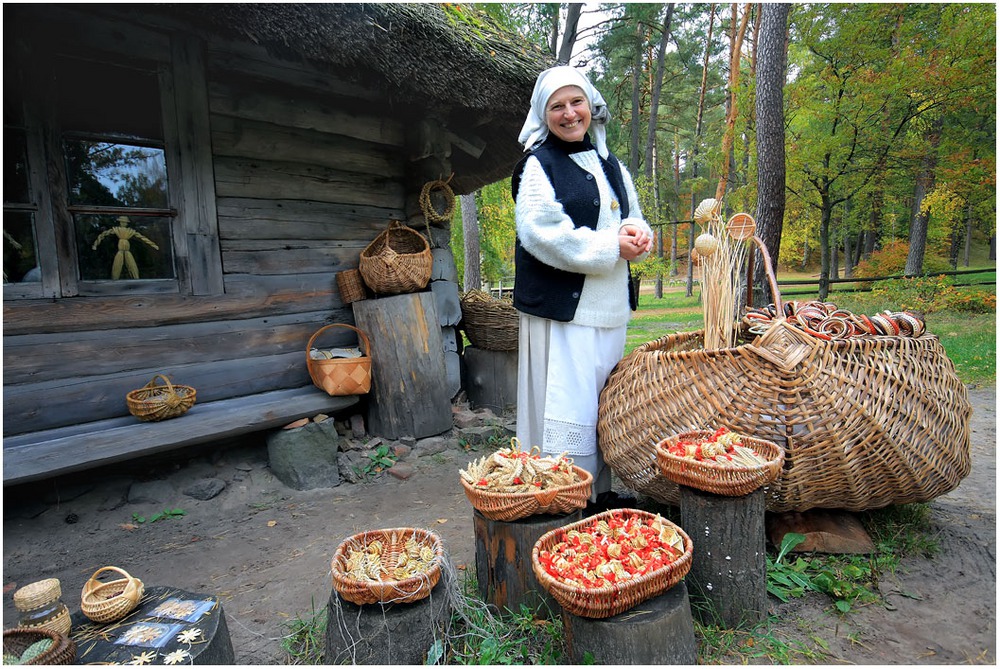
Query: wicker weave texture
point(160, 401)
point(506, 507)
point(108, 601)
point(614, 599)
point(342, 376)
point(490, 324)
point(865, 423)
point(398, 261)
point(351, 286)
point(404, 591)
point(730, 481)
point(17, 640)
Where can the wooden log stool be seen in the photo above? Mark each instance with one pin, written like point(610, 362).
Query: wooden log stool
point(386, 634)
point(490, 379)
point(659, 630)
point(503, 560)
point(169, 626)
point(728, 577)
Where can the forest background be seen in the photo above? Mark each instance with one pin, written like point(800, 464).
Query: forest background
point(862, 137)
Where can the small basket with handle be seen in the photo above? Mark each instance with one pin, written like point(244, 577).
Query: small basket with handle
point(398, 261)
point(159, 401)
point(108, 601)
point(341, 376)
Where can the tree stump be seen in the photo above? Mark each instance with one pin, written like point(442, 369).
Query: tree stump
point(490, 378)
point(659, 630)
point(503, 560)
point(410, 394)
point(386, 634)
point(728, 577)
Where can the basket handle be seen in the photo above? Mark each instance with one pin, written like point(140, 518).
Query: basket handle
point(362, 337)
point(97, 573)
point(170, 390)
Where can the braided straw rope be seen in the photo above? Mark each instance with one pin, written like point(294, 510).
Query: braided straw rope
point(427, 207)
point(865, 422)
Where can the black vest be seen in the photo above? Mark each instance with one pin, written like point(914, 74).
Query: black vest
point(543, 290)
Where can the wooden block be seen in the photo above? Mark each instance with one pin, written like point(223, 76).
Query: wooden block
point(728, 577)
point(659, 630)
point(826, 531)
point(503, 560)
point(490, 378)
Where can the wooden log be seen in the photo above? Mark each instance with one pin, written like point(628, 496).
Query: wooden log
point(389, 634)
point(409, 395)
point(728, 577)
point(657, 631)
point(490, 378)
point(503, 560)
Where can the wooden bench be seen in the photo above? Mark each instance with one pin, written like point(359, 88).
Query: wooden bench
point(38, 455)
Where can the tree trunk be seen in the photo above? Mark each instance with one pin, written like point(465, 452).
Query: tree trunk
point(633, 155)
point(472, 279)
point(677, 189)
point(968, 234)
point(569, 34)
point(735, 46)
point(805, 256)
point(921, 217)
point(689, 289)
point(825, 213)
point(654, 100)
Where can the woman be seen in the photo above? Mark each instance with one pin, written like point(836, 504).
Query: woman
point(578, 226)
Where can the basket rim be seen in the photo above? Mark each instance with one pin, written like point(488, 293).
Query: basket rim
point(341, 577)
point(490, 494)
point(715, 467)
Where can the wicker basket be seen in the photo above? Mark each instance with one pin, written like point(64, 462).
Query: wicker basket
point(108, 601)
point(864, 422)
point(18, 639)
point(506, 507)
point(609, 600)
point(155, 402)
point(342, 376)
point(40, 606)
point(489, 323)
point(397, 261)
point(387, 591)
point(715, 478)
point(351, 286)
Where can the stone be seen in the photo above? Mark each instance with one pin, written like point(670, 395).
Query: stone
point(401, 451)
point(305, 459)
point(465, 418)
point(297, 423)
point(449, 308)
point(358, 426)
point(481, 434)
point(430, 446)
point(402, 471)
point(826, 531)
point(351, 465)
point(65, 492)
point(151, 492)
point(205, 489)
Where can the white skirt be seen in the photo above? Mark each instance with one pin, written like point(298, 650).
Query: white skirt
point(561, 371)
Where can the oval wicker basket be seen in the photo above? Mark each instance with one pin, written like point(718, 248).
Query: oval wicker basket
point(504, 506)
point(864, 422)
point(489, 323)
point(342, 376)
point(611, 600)
point(726, 480)
point(156, 401)
point(398, 261)
point(388, 590)
point(108, 601)
point(18, 639)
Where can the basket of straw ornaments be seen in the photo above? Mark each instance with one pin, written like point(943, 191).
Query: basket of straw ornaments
point(719, 461)
point(868, 409)
point(512, 483)
point(399, 566)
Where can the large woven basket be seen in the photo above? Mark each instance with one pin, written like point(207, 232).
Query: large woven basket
point(398, 261)
point(341, 376)
point(731, 481)
point(489, 323)
point(865, 422)
point(159, 401)
point(18, 639)
point(610, 600)
point(388, 590)
point(506, 507)
point(108, 601)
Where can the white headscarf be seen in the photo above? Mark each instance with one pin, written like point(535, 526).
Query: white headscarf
point(535, 130)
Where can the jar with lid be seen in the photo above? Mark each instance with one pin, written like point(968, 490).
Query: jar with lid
point(39, 605)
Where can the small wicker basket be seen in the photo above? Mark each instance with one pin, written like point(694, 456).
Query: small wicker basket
point(398, 261)
point(715, 478)
point(489, 323)
point(156, 401)
point(108, 601)
point(351, 286)
point(341, 376)
point(388, 590)
point(505, 507)
point(610, 600)
point(18, 639)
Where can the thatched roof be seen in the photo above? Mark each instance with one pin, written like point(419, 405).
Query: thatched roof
point(447, 59)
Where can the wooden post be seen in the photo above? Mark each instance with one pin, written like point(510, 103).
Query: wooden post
point(409, 395)
point(657, 631)
point(728, 577)
point(503, 560)
point(490, 378)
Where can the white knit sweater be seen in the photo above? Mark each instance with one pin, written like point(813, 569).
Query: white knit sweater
point(547, 232)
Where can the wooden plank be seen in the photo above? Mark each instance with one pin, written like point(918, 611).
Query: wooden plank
point(292, 257)
point(44, 454)
point(251, 218)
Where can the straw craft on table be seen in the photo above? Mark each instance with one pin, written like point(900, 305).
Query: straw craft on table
point(40, 602)
point(389, 547)
point(107, 601)
point(729, 480)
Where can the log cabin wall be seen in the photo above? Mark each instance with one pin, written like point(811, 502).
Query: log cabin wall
point(288, 174)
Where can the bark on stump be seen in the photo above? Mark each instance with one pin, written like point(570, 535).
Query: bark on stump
point(728, 577)
point(409, 395)
point(503, 560)
point(386, 634)
point(659, 630)
point(490, 378)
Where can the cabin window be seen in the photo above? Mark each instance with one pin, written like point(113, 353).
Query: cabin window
point(20, 263)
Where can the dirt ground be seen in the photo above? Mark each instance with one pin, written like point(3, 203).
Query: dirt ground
point(264, 549)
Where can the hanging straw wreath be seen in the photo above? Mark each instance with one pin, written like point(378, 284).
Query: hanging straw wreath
point(427, 206)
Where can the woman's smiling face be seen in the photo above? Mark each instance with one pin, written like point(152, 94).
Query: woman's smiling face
point(567, 114)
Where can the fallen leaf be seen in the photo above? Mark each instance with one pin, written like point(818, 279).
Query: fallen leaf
point(442, 520)
point(8, 587)
point(299, 423)
point(129, 526)
point(272, 523)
